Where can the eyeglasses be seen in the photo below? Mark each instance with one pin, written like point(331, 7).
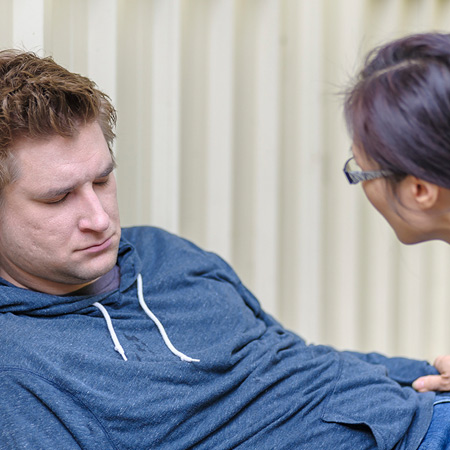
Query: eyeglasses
point(354, 173)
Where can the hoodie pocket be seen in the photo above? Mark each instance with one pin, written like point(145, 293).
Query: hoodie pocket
point(364, 398)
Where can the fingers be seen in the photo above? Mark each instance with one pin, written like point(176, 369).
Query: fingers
point(429, 383)
point(436, 382)
point(442, 364)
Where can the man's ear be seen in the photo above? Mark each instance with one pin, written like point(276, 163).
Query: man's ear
point(421, 193)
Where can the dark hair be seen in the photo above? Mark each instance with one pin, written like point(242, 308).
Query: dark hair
point(398, 110)
point(40, 99)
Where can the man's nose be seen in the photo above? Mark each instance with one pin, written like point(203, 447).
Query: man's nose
point(93, 215)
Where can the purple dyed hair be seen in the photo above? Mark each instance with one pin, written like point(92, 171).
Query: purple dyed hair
point(398, 110)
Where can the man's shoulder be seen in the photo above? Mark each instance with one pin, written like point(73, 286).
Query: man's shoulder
point(152, 243)
point(159, 241)
point(149, 235)
point(137, 233)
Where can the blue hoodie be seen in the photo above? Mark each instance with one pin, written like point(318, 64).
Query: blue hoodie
point(182, 356)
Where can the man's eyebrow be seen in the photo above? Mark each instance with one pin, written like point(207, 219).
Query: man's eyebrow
point(108, 170)
point(60, 191)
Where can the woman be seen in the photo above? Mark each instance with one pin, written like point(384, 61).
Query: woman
point(398, 114)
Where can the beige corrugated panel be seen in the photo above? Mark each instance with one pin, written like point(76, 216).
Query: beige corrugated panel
point(230, 133)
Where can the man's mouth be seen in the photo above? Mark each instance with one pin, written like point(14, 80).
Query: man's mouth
point(95, 248)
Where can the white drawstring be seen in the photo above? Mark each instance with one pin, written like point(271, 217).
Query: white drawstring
point(161, 329)
point(117, 347)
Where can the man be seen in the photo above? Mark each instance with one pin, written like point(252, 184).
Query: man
point(139, 339)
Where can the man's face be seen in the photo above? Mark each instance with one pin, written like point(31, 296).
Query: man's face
point(59, 221)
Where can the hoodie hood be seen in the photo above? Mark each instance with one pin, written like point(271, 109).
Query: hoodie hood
point(37, 304)
point(33, 303)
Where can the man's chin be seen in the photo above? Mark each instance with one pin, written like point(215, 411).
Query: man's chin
point(94, 269)
point(97, 272)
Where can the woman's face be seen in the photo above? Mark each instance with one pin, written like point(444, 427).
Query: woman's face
point(408, 223)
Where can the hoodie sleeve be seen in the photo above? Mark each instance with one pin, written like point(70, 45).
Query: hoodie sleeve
point(36, 413)
point(402, 370)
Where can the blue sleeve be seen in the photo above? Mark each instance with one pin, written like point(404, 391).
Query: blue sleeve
point(402, 370)
point(36, 413)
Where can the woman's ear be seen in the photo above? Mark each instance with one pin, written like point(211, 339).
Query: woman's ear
point(420, 193)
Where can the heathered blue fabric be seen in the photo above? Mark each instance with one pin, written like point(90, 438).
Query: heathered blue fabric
point(438, 434)
point(257, 385)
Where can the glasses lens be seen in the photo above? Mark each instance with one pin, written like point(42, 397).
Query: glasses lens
point(353, 166)
point(352, 171)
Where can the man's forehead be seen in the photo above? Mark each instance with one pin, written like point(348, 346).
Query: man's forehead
point(62, 159)
point(60, 186)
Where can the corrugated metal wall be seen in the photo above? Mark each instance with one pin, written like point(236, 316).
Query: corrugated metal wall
point(230, 133)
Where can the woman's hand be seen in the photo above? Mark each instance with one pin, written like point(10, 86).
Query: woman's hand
point(435, 382)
